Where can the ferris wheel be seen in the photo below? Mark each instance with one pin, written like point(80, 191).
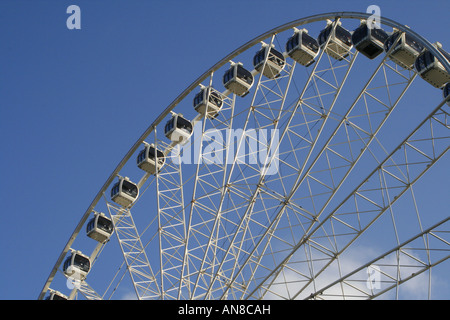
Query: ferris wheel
point(285, 171)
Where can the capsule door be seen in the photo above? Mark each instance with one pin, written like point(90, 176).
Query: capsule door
point(446, 92)
point(208, 101)
point(146, 159)
point(99, 228)
point(238, 80)
point(339, 44)
point(77, 266)
point(402, 49)
point(124, 192)
point(369, 41)
point(274, 64)
point(178, 129)
point(431, 70)
point(302, 47)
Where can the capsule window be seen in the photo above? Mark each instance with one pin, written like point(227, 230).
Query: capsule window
point(425, 60)
point(323, 36)
point(292, 42)
point(169, 125)
point(309, 42)
point(274, 56)
point(244, 74)
point(447, 90)
point(115, 189)
point(151, 153)
point(408, 40)
point(198, 98)
point(78, 261)
point(259, 57)
point(429, 58)
point(339, 32)
point(141, 156)
point(104, 224)
point(81, 262)
point(359, 34)
point(129, 188)
point(228, 75)
point(343, 35)
point(184, 124)
point(379, 34)
point(67, 263)
point(413, 43)
point(91, 225)
point(160, 154)
point(215, 99)
point(389, 42)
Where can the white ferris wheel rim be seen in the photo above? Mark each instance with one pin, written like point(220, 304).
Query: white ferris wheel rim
point(296, 23)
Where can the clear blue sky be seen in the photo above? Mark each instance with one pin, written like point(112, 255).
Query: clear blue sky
point(72, 102)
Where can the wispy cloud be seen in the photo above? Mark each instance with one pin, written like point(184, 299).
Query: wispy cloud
point(367, 280)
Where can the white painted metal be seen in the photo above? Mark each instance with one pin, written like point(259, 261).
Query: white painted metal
point(236, 230)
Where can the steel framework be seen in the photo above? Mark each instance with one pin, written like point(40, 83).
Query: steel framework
point(266, 198)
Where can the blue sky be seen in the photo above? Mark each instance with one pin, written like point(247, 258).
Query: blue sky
point(72, 102)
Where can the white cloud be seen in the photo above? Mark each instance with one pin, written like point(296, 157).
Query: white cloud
point(289, 282)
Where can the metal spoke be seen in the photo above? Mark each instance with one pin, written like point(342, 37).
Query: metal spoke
point(273, 190)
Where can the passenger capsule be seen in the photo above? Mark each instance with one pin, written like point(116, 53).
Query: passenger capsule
point(99, 228)
point(274, 64)
point(340, 42)
point(56, 295)
point(405, 51)
point(431, 69)
point(208, 100)
point(238, 80)
point(124, 192)
point(302, 47)
point(178, 129)
point(77, 265)
point(150, 159)
point(446, 92)
point(369, 40)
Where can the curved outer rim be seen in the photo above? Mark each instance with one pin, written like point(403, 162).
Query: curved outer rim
point(319, 17)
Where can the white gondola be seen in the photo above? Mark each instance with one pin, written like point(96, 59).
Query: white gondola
point(369, 40)
point(150, 159)
point(405, 51)
point(340, 42)
point(77, 265)
point(430, 69)
point(99, 228)
point(237, 79)
point(208, 100)
point(178, 129)
point(56, 295)
point(302, 47)
point(273, 66)
point(446, 92)
point(124, 192)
